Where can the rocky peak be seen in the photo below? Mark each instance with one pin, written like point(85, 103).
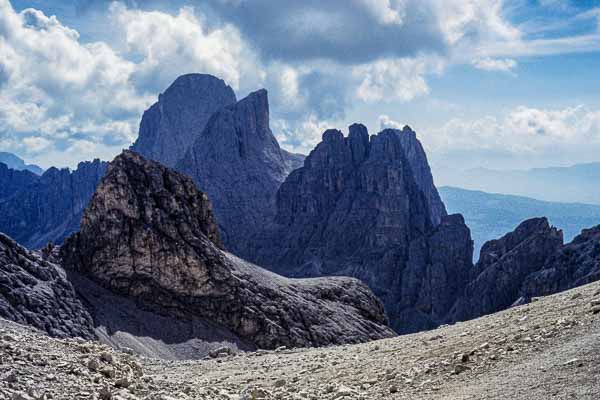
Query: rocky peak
point(238, 162)
point(50, 208)
point(355, 209)
point(170, 126)
point(149, 234)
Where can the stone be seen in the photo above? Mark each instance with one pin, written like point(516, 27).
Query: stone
point(221, 351)
point(171, 125)
point(357, 208)
point(50, 208)
point(35, 292)
point(147, 219)
point(238, 163)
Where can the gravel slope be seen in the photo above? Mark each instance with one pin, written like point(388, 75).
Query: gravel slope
point(549, 349)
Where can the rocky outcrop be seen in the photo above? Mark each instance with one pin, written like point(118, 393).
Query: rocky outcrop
point(574, 264)
point(238, 162)
point(170, 126)
point(417, 158)
point(503, 266)
point(355, 209)
point(149, 234)
point(12, 181)
point(50, 209)
point(35, 292)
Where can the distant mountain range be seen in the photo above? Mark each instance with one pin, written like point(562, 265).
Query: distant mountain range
point(14, 162)
point(491, 215)
point(574, 184)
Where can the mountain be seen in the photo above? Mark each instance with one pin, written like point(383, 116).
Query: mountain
point(491, 215)
point(14, 162)
point(356, 208)
point(170, 126)
point(35, 292)
point(50, 208)
point(12, 180)
point(575, 184)
point(150, 235)
point(238, 162)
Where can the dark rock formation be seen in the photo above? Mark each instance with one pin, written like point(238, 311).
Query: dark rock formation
point(14, 162)
point(356, 209)
point(36, 292)
point(50, 209)
point(149, 234)
point(12, 181)
point(503, 266)
point(238, 162)
point(170, 126)
point(574, 264)
point(420, 166)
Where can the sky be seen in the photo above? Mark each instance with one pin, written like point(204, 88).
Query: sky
point(484, 83)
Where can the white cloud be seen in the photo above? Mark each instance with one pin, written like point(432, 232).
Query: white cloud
point(395, 79)
point(571, 133)
point(171, 45)
point(495, 64)
point(302, 136)
point(385, 122)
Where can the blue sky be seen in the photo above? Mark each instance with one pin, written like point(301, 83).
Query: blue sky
point(500, 84)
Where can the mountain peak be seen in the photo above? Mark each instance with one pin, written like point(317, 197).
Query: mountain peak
point(170, 126)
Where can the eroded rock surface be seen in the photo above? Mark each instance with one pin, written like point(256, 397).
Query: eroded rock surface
point(237, 161)
point(36, 292)
point(50, 208)
point(12, 181)
point(171, 125)
point(357, 208)
point(149, 234)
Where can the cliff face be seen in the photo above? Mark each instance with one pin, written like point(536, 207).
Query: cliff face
point(35, 292)
point(12, 181)
point(355, 209)
point(422, 172)
point(170, 126)
point(238, 162)
point(149, 234)
point(503, 266)
point(50, 209)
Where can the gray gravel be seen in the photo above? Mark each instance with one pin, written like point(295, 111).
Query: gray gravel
point(549, 349)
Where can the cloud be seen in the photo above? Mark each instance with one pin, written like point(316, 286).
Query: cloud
point(171, 45)
point(494, 64)
point(385, 122)
point(525, 134)
point(395, 79)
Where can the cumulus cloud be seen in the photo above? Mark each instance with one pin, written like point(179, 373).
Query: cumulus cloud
point(385, 122)
point(526, 134)
point(395, 79)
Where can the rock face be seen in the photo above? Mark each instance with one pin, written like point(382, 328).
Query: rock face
point(170, 126)
point(503, 266)
point(574, 264)
point(238, 162)
point(355, 208)
point(35, 292)
point(50, 209)
point(149, 234)
point(420, 166)
point(12, 181)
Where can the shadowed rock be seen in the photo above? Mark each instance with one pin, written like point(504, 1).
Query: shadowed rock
point(50, 208)
point(35, 292)
point(149, 234)
point(12, 181)
point(171, 125)
point(356, 209)
point(238, 162)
